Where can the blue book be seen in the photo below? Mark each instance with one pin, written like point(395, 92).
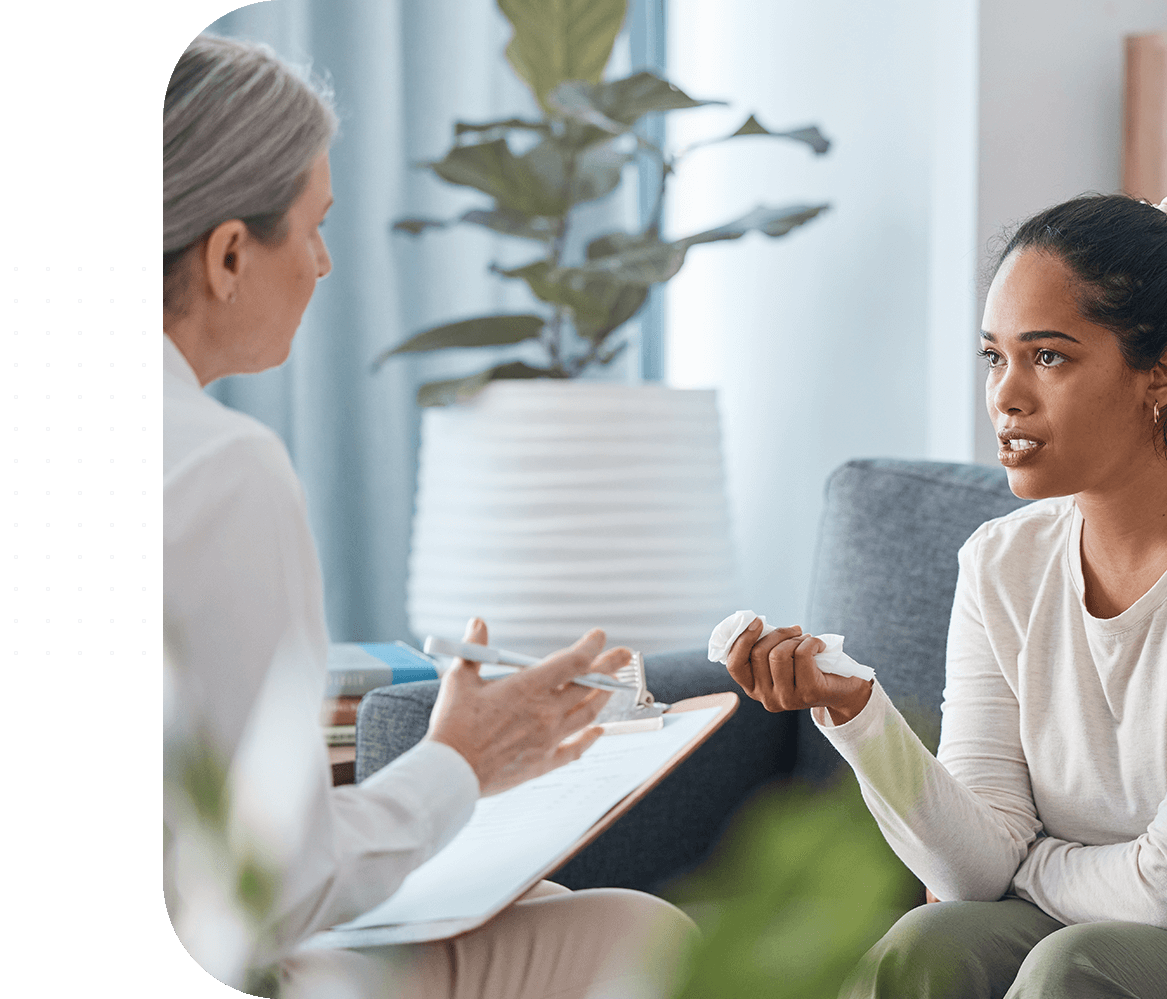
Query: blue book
point(355, 668)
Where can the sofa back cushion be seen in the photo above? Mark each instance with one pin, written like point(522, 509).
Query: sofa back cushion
point(884, 576)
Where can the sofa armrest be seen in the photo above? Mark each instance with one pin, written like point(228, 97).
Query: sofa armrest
point(391, 720)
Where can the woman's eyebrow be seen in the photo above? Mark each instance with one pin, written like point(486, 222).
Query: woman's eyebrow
point(1030, 335)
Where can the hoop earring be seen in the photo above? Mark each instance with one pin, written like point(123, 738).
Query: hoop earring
point(1155, 414)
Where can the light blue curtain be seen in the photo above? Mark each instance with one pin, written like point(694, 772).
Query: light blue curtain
point(402, 71)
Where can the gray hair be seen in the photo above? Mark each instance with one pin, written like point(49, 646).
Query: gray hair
point(240, 130)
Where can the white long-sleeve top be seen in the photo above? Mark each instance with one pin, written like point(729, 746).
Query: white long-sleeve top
point(1051, 777)
point(244, 612)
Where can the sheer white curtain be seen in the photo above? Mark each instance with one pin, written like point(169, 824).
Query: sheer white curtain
point(403, 72)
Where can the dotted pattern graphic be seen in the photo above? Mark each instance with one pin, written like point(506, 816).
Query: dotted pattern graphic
point(83, 488)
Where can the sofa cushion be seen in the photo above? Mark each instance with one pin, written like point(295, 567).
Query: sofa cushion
point(885, 574)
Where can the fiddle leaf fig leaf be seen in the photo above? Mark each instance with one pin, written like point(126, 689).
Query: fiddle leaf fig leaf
point(617, 105)
point(644, 261)
point(554, 285)
point(464, 127)
point(484, 331)
point(614, 242)
point(809, 135)
point(416, 227)
point(770, 221)
point(642, 93)
point(493, 169)
point(510, 223)
point(621, 301)
point(445, 393)
point(598, 303)
point(598, 170)
point(557, 40)
point(575, 99)
point(607, 358)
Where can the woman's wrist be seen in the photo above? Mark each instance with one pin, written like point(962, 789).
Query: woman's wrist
point(848, 707)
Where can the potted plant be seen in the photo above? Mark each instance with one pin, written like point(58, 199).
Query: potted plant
point(598, 498)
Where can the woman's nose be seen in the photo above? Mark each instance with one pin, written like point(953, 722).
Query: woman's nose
point(1009, 391)
point(323, 261)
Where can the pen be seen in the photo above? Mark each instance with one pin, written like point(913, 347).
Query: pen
point(500, 657)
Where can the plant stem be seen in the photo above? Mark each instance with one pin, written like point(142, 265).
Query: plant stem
point(654, 220)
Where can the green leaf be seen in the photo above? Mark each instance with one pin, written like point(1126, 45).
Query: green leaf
point(571, 175)
point(598, 170)
point(574, 99)
point(500, 220)
point(641, 261)
point(557, 40)
point(454, 390)
point(801, 885)
point(551, 284)
point(598, 302)
point(810, 135)
point(417, 226)
point(617, 105)
point(464, 127)
point(605, 359)
point(484, 331)
point(510, 223)
point(770, 221)
point(493, 169)
point(621, 301)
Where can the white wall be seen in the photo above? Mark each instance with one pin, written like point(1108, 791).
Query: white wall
point(1051, 110)
point(855, 336)
point(843, 339)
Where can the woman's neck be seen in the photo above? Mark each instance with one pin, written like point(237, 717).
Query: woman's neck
point(1124, 540)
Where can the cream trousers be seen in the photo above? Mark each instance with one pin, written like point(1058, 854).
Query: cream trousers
point(602, 943)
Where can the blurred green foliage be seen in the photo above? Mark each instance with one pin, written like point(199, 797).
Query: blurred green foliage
point(802, 886)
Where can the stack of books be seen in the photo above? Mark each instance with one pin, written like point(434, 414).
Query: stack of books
point(356, 668)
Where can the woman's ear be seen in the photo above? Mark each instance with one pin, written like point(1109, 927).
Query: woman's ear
point(223, 259)
point(1157, 387)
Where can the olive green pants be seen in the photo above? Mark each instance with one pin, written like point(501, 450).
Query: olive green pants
point(1009, 950)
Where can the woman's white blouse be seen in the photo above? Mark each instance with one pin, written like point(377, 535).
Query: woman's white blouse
point(1051, 777)
point(245, 624)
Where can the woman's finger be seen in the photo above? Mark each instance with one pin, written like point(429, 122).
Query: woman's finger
point(804, 670)
point(475, 634)
point(738, 659)
point(779, 668)
point(762, 647)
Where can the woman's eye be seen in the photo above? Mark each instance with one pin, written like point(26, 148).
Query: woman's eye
point(1049, 358)
point(990, 356)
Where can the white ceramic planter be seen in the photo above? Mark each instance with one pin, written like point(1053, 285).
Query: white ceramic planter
point(551, 507)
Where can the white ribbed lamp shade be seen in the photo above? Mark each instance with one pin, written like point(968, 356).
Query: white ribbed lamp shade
point(551, 507)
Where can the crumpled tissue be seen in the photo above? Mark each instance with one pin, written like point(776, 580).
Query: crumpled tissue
point(832, 660)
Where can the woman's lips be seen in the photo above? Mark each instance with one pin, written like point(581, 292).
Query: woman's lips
point(1016, 451)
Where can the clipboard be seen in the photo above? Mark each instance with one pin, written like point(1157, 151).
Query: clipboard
point(723, 705)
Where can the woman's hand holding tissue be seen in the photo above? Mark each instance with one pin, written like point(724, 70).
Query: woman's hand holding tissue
point(778, 669)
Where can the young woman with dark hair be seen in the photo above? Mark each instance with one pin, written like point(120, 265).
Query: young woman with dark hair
point(1042, 821)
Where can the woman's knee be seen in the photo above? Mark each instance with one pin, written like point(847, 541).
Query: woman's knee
point(1106, 958)
point(949, 949)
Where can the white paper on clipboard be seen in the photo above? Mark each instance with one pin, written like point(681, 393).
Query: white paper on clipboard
point(515, 838)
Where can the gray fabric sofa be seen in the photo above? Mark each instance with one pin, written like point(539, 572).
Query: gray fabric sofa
point(884, 575)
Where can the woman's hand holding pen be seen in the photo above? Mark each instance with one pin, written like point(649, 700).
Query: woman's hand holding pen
point(779, 671)
point(521, 726)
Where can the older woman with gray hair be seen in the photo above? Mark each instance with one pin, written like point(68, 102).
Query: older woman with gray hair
point(246, 187)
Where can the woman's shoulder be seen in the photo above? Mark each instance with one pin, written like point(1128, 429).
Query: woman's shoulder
point(1036, 528)
point(196, 428)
